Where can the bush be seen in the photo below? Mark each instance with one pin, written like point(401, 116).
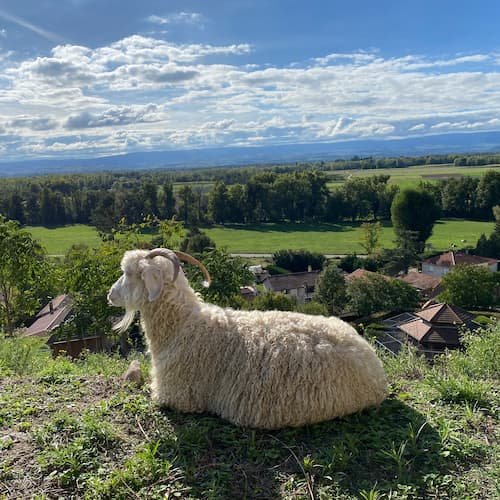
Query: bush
point(273, 302)
point(298, 260)
point(350, 263)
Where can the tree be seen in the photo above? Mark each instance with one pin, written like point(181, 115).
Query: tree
point(218, 202)
point(330, 289)
point(270, 301)
point(26, 278)
point(488, 191)
point(470, 286)
point(228, 274)
point(417, 211)
point(378, 293)
point(167, 201)
point(197, 242)
point(490, 246)
point(297, 261)
point(187, 205)
point(370, 236)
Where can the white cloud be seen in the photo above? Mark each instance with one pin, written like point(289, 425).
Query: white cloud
point(190, 18)
point(142, 92)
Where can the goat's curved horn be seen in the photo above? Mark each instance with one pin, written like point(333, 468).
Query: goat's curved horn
point(191, 260)
point(168, 254)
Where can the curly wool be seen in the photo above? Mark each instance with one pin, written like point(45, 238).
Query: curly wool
point(259, 369)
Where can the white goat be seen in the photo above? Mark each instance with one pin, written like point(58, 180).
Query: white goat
point(258, 369)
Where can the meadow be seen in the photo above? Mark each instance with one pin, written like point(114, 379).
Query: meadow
point(339, 238)
point(73, 429)
point(412, 176)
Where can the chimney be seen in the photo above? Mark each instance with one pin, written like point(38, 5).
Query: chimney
point(51, 308)
point(309, 268)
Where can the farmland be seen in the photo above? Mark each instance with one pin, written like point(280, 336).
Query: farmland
point(412, 176)
point(266, 238)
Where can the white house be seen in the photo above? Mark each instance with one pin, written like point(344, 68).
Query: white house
point(439, 265)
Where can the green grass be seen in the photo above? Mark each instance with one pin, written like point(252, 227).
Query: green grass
point(411, 176)
point(267, 238)
point(335, 238)
point(83, 434)
point(58, 240)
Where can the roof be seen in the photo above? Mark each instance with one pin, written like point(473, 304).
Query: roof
point(423, 331)
point(438, 324)
point(282, 282)
point(450, 259)
point(445, 314)
point(47, 320)
point(422, 281)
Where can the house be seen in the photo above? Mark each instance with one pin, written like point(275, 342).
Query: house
point(428, 286)
point(434, 328)
point(299, 285)
point(50, 317)
point(439, 265)
point(248, 292)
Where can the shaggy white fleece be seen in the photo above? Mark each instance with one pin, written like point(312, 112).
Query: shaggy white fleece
point(259, 369)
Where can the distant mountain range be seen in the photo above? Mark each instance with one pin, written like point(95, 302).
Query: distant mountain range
point(233, 156)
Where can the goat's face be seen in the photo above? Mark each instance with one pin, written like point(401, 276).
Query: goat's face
point(142, 281)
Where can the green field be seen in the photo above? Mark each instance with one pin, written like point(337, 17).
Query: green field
point(411, 176)
point(59, 239)
point(267, 238)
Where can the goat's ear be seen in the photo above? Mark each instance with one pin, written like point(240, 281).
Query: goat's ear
point(153, 281)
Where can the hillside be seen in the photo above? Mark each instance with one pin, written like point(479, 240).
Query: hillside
point(72, 429)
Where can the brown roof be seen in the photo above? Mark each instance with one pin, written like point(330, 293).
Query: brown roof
point(422, 331)
point(282, 282)
point(450, 259)
point(445, 314)
point(47, 319)
point(438, 324)
point(421, 281)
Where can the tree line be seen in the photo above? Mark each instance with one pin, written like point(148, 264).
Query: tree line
point(264, 196)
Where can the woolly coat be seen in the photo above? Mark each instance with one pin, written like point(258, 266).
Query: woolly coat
point(259, 369)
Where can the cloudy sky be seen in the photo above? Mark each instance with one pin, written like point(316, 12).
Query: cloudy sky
point(84, 78)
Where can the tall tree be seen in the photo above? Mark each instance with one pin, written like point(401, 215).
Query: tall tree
point(330, 289)
point(416, 211)
point(25, 275)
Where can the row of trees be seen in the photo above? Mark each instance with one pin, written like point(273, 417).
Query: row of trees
point(256, 196)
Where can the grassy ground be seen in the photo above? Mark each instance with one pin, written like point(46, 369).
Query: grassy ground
point(411, 176)
point(58, 240)
point(266, 238)
point(74, 430)
point(335, 238)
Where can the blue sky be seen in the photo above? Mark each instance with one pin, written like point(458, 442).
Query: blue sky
point(97, 77)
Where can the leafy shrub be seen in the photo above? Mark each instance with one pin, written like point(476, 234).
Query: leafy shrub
point(22, 356)
point(298, 260)
point(273, 302)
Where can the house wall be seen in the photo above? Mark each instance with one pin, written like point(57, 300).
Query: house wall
point(434, 270)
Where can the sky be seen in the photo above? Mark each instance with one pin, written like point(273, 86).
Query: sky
point(84, 78)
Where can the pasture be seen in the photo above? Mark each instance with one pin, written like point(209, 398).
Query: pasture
point(412, 176)
point(338, 238)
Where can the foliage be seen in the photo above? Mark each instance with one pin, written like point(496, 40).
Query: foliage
point(490, 247)
point(27, 279)
point(298, 260)
point(378, 293)
point(350, 263)
point(470, 287)
point(270, 301)
point(370, 236)
point(228, 274)
point(330, 289)
point(416, 211)
point(196, 241)
point(313, 307)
